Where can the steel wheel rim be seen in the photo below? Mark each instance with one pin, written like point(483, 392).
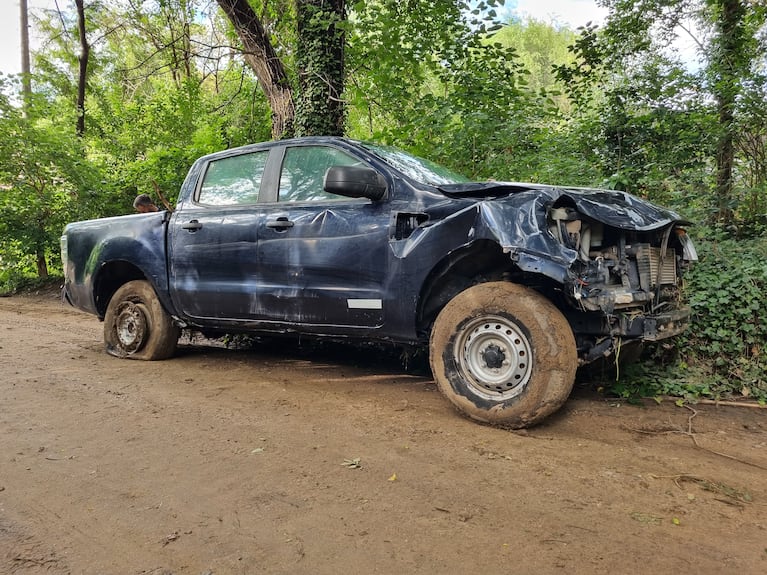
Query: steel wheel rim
point(494, 356)
point(131, 326)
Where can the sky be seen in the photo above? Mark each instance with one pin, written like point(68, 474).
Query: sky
point(570, 12)
point(573, 13)
point(10, 36)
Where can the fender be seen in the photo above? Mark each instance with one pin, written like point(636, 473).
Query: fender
point(98, 248)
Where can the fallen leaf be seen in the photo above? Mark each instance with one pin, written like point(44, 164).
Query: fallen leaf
point(393, 477)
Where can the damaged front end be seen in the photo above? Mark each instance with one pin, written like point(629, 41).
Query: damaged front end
point(624, 285)
point(612, 262)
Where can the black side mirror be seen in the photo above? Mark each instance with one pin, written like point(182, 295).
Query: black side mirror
point(355, 182)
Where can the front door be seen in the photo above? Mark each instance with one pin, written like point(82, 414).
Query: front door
point(323, 259)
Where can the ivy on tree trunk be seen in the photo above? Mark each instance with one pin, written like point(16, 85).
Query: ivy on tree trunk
point(726, 67)
point(320, 109)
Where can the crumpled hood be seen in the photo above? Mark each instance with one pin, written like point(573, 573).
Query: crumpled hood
point(615, 208)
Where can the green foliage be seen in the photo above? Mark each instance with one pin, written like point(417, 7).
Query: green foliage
point(642, 117)
point(152, 138)
point(653, 148)
point(16, 267)
point(583, 74)
point(480, 99)
point(43, 182)
point(631, 74)
point(391, 53)
point(18, 271)
point(540, 48)
point(726, 292)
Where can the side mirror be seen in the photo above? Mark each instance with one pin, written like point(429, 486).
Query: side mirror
point(355, 182)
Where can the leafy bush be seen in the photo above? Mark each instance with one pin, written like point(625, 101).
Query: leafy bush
point(18, 270)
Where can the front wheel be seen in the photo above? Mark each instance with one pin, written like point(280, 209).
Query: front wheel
point(136, 326)
point(503, 354)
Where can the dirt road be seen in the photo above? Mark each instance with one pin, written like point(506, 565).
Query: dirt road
point(221, 461)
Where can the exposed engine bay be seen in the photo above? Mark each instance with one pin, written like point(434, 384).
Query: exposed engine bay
point(631, 278)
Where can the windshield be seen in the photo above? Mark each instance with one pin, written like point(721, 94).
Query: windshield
point(420, 170)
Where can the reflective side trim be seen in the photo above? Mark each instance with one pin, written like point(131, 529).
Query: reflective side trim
point(364, 304)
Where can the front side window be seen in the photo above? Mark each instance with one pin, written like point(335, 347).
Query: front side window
point(234, 180)
point(303, 172)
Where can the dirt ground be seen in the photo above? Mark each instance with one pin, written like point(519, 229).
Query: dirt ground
point(222, 461)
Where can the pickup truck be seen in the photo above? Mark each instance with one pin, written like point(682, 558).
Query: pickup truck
point(511, 286)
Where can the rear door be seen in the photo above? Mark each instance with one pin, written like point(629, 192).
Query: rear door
point(213, 239)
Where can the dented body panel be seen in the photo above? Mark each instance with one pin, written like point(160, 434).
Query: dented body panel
point(356, 267)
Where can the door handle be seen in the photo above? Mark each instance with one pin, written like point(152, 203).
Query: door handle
point(281, 223)
point(192, 226)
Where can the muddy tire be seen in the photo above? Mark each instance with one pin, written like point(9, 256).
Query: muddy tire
point(503, 354)
point(136, 326)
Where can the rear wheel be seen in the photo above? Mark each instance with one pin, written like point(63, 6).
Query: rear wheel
point(503, 354)
point(136, 326)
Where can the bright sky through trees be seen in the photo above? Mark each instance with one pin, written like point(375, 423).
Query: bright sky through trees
point(570, 12)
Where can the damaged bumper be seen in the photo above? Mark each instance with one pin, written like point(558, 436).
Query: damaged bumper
point(653, 327)
point(600, 335)
point(631, 325)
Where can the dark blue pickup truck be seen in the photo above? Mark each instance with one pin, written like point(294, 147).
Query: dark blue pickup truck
point(511, 286)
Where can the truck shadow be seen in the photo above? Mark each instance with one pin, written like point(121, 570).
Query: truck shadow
point(379, 357)
point(374, 358)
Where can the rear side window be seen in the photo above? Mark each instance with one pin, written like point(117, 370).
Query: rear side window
point(234, 180)
point(303, 172)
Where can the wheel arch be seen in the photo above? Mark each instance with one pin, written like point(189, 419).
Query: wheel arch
point(111, 276)
point(480, 261)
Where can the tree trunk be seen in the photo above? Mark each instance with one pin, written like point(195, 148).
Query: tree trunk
point(85, 51)
point(725, 159)
point(320, 109)
point(262, 58)
point(729, 27)
point(42, 265)
point(26, 70)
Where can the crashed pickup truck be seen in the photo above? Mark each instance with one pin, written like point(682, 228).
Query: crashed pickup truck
point(510, 286)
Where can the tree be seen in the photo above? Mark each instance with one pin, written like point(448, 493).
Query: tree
point(730, 65)
point(430, 76)
point(630, 69)
point(320, 48)
point(42, 175)
point(25, 65)
point(540, 47)
point(261, 56)
point(82, 76)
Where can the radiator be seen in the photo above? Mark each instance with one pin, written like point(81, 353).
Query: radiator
point(651, 273)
